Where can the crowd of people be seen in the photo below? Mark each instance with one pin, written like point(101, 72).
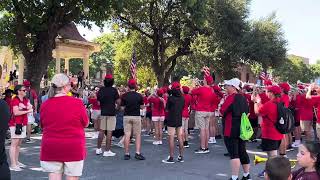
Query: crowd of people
point(126, 114)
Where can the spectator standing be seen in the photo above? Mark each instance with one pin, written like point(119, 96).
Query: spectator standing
point(4, 120)
point(186, 114)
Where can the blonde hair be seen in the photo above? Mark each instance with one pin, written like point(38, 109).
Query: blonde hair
point(57, 83)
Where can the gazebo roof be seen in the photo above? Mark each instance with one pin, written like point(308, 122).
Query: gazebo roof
point(71, 32)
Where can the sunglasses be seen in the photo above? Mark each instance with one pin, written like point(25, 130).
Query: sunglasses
point(22, 90)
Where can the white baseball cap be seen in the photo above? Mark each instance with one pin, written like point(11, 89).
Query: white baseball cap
point(235, 82)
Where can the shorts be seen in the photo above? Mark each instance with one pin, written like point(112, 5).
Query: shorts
point(142, 112)
point(31, 119)
point(173, 130)
point(73, 168)
point(132, 123)
point(236, 148)
point(306, 125)
point(15, 136)
point(108, 123)
point(158, 118)
point(202, 119)
point(96, 114)
point(149, 115)
point(270, 145)
point(254, 122)
point(185, 122)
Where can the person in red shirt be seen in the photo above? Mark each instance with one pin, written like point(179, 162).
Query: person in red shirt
point(186, 114)
point(63, 119)
point(252, 115)
point(203, 108)
point(148, 115)
point(315, 99)
point(96, 113)
point(20, 107)
point(231, 110)
point(213, 123)
point(8, 96)
point(157, 103)
point(271, 137)
point(306, 115)
point(285, 99)
point(31, 94)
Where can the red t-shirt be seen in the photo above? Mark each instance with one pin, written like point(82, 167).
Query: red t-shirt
point(251, 107)
point(228, 118)
point(146, 103)
point(157, 106)
point(22, 119)
point(215, 102)
point(306, 109)
point(205, 99)
point(94, 102)
point(186, 107)
point(193, 102)
point(269, 114)
point(285, 99)
point(63, 120)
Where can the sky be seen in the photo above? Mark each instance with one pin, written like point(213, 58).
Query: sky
point(300, 21)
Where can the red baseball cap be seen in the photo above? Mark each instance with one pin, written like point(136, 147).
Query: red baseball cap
point(160, 92)
point(132, 82)
point(26, 83)
point(108, 76)
point(274, 89)
point(285, 86)
point(175, 85)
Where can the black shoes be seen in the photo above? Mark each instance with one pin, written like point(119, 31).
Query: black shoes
point(139, 157)
point(127, 157)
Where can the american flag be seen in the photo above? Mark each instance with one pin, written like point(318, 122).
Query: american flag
point(133, 66)
point(263, 75)
point(206, 71)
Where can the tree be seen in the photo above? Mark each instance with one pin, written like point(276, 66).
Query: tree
point(31, 26)
point(170, 27)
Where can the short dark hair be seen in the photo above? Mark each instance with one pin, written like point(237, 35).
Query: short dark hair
point(108, 82)
point(278, 168)
point(132, 86)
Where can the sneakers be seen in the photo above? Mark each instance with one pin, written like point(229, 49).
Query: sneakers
point(16, 168)
point(296, 144)
point(157, 143)
point(202, 151)
point(160, 142)
point(109, 154)
point(21, 165)
point(247, 177)
point(212, 141)
point(139, 157)
point(186, 144)
point(261, 175)
point(119, 144)
point(127, 157)
point(180, 159)
point(29, 141)
point(98, 151)
point(169, 160)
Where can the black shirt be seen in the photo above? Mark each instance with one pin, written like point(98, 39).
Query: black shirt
point(132, 102)
point(175, 106)
point(107, 97)
point(4, 120)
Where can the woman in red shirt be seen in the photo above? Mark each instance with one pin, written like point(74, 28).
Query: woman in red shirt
point(271, 137)
point(186, 114)
point(158, 104)
point(63, 119)
point(20, 107)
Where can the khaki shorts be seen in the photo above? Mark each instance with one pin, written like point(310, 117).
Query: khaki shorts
point(185, 123)
point(306, 125)
point(202, 119)
point(21, 136)
point(73, 168)
point(96, 114)
point(318, 130)
point(173, 130)
point(108, 123)
point(132, 123)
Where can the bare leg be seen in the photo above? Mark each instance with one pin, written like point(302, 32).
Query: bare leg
point(12, 152)
point(203, 138)
point(29, 129)
point(108, 140)
point(171, 145)
point(72, 178)
point(235, 166)
point(156, 128)
point(180, 139)
point(100, 139)
point(127, 142)
point(160, 130)
point(55, 176)
point(138, 143)
point(212, 126)
point(206, 138)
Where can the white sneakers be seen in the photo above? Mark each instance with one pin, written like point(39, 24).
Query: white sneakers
point(98, 151)
point(296, 144)
point(212, 140)
point(21, 165)
point(157, 143)
point(109, 154)
point(18, 167)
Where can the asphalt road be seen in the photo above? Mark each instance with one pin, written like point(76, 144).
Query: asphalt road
point(212, 166)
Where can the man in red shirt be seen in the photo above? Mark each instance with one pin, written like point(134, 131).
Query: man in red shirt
point(186, 114)
point(316, 102)
point(205, 100)
point(31, 94)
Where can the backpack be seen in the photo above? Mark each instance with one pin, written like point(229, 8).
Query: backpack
point(285, 121)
